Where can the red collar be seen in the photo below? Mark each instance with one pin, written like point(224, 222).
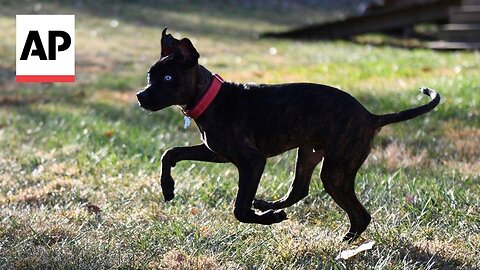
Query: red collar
point(207, 98)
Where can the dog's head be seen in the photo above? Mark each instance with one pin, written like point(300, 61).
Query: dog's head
point(172, 79)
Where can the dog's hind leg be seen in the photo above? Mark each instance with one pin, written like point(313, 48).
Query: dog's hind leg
point(307, 160)
point(176, 154)
point(339, 180)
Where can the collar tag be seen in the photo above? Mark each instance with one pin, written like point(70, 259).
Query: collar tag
point(187, 122)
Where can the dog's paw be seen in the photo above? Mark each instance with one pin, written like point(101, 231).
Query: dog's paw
point(168, 196)
point(275, 216)
point(168, 186)
point(350, 237)
point(279, 216)
point(262, 205)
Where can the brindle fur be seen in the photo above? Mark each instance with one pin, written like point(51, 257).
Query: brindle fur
point(248, 123)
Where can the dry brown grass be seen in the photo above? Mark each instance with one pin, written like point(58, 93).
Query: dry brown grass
point(176, 259)
point(114, 97)
point(396, 155)
point(462, 149)
point(456, 149)
point(38, 195)
point(465, 141)
point(450, 250)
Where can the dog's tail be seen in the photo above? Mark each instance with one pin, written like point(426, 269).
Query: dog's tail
point(390, 118)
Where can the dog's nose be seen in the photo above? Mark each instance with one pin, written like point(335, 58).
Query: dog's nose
point(140, 95)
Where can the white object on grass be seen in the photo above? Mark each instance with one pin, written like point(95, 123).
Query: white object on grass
point(346, 254)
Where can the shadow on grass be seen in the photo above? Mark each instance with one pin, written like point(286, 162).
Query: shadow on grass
point(430, 259)
point(411, 256)
point(7, 81)
point(215, 17)
point(39, 94)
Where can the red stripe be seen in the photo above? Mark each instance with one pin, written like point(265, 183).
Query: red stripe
point(45, 78)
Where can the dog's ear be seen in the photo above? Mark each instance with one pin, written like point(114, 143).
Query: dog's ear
point(168, 42)
point(185, 49)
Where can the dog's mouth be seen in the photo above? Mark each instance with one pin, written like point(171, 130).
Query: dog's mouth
point(145, 108)
point(148, 109)
point(147, 104)
point(141, 102)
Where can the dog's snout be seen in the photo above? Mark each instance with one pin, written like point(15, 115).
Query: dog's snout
point(141, 95)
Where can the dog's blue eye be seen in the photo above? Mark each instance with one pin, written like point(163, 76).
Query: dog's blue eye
point(167, 78)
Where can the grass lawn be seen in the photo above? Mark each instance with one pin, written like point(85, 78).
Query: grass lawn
point(80, 163)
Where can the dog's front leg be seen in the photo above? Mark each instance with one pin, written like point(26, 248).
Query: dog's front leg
point(307, 160)
point(250, 170)
point(176, 154)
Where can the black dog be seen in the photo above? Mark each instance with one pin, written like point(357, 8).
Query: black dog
point(246, 124)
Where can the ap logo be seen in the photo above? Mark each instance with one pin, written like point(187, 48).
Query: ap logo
point(45, 48)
